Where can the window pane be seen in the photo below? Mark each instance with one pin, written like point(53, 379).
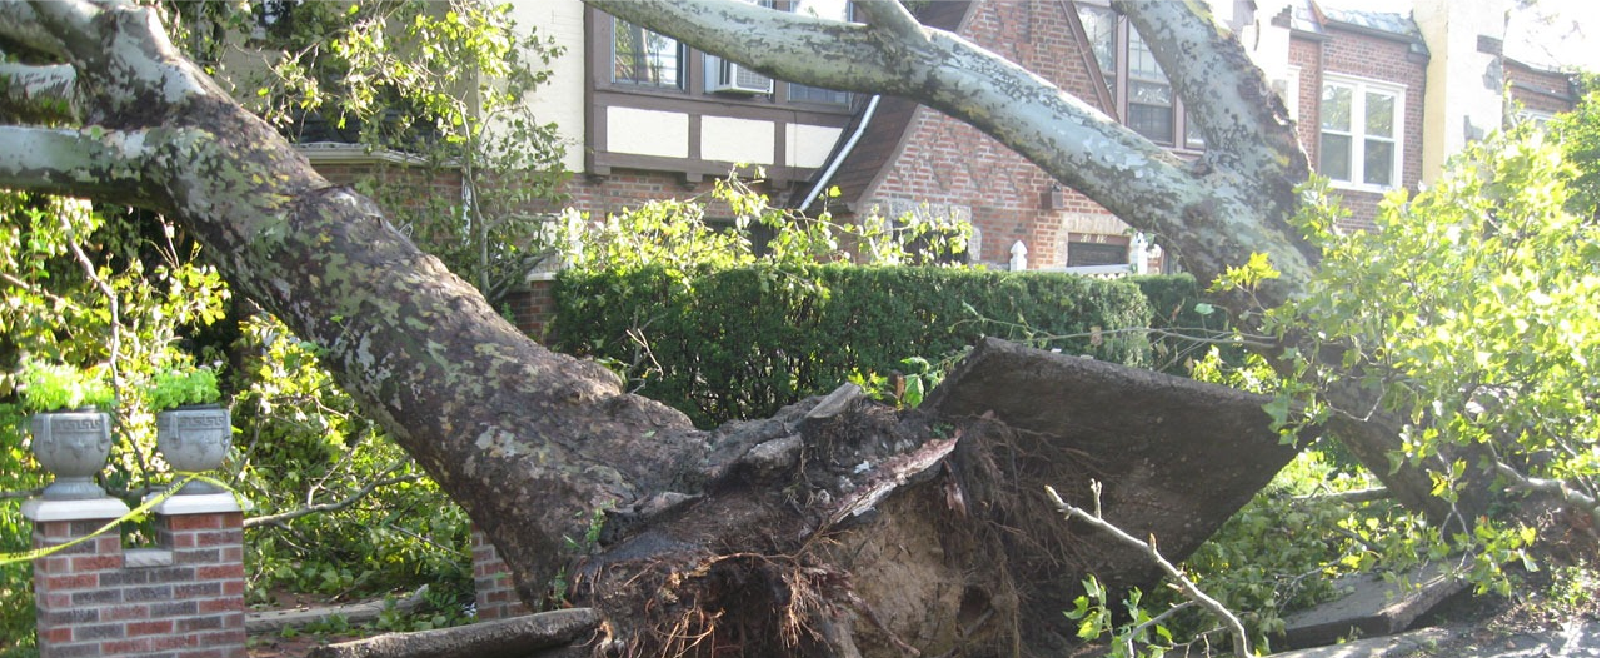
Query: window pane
point(644, 57)
point(838, 10)
point(1086, 254)
point(1336, 108)
point(1141, 62)
point(1380, 114)
point(1335, 156)
point(1191, 133)
point(810, 94)
point(1101, 26)
point(1377, 163)
point(1152, 121)
point(1149, 93)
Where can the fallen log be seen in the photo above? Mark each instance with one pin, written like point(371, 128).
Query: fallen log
point(517, 637)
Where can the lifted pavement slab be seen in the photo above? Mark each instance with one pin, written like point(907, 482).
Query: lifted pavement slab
point(1371, 607)
point(1575, 638)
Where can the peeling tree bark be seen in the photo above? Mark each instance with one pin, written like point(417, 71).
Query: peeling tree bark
point(830, 529)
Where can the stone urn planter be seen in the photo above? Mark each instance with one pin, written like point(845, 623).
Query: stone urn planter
point(194, 438)
point(72, 445)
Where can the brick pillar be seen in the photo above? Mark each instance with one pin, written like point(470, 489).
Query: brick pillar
point(496, 596)
point(533, 308)
point(184, 599)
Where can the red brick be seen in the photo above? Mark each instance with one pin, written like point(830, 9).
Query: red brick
point(230, 604)
point(96, 562)
point(222, 638)
point(58, 582)
point(153, 627)
point(125, 612)
point(124, 647)
point(219, 572)
point(194, 522)
point(172, 642)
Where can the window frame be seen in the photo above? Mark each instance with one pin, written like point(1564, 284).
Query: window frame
point(1360, 89)
point(680, 80)
point(696, 70)
point(1120, 77)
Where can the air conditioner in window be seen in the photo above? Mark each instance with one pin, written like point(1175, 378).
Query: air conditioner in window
point(732, 78)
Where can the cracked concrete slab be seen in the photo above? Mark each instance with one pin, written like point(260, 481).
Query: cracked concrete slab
point(1372, 606)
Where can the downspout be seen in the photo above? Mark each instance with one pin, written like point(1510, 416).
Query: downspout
point(849, 145)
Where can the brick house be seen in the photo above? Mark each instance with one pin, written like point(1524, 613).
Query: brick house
point(1381, 100)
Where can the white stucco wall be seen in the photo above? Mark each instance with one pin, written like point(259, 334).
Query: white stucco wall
point(809, 146)
point(1462, 99)
point(647, 132)
point(738, 140)
point(561, 99)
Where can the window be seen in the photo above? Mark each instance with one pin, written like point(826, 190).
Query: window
point(1149, 107)
point(642, 57)
point(840, 10)
point(1360, 143)
point(1143, 97)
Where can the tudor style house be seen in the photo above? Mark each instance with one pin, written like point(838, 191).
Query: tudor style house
point(1381, 100)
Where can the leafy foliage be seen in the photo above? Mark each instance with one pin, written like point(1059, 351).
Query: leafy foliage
point(1485, 329)
point(445, 83)
point(171, 389)
point(54, 387)
point(304, 444)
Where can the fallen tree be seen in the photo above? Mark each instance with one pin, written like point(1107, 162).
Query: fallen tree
point(838, 527)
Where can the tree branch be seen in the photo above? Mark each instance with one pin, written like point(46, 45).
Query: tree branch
point(1348, 497)
point(281, 518)
point(37, 94)
point(20, 24)
point(105, 164)
point(893, 17)
point(1241, 639)
point(1551, 487)
point(71, 22)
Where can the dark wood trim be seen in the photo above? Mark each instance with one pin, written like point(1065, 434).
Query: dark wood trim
point(601, 93)
point(780, 152)
point(1097, 78)
point(696, 130)
point(695, 168)
point(594, 125)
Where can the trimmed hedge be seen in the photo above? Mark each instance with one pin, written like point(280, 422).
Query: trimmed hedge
point(741, 343)
point(1173, 299)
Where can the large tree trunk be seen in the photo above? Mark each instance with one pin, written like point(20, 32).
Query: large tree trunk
point(832, 528)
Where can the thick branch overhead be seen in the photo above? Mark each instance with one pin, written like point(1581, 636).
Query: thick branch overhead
point(104, 164)
point(19, 24)
point(37, 94)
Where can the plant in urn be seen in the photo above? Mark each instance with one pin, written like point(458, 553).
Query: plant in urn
point(71, 435)
point(193, 431)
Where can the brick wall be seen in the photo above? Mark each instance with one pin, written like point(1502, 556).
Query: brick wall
point(1362, 55)
point(184, 599)
point(947, 161)
point(496, 595)
point(1538, 89)
point(533, 309)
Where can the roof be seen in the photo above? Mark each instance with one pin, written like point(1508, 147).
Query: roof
point(1314, 16)
point(887, 126)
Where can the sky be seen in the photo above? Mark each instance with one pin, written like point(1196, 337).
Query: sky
point(1550, 32)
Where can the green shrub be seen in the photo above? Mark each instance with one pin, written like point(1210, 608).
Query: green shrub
point(742, 342)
